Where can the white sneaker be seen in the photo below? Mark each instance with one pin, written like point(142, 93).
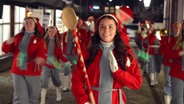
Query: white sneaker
point(152, 79)
point(65, 89)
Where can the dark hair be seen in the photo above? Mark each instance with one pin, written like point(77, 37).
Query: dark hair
point(121, 49)
point(37, 31)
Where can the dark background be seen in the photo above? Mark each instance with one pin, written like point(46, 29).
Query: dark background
point(153, 13)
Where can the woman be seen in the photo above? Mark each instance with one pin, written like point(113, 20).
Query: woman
point(110, 66)
point(53, 63)
point(27, 48)
point(175, 52)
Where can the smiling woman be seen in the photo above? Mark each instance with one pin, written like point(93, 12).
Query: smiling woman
point(110, 66)
point(27, 48)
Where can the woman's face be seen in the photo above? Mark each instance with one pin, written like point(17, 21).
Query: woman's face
point(177, 29)
point(29, 24)
point(51, 32)
point(107, 30)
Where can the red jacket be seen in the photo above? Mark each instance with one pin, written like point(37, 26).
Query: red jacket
point(35, 49)
point(83, 38)
point(151, 41)
point(164, 43)
point(175, 59)
point(64, 41)
point(130, 78)
point(58, 54)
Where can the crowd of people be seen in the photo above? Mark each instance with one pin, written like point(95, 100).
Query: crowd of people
point(42, 52)
point(164, 49)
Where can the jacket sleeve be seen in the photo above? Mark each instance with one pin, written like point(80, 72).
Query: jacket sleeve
point(170, 52)
point(41, 50)
point(130, 77)
point(6, 48)
point(61, 56)
point(78, 85)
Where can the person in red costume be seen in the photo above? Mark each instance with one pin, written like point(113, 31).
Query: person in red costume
point(53, 63)
point(90, 25)
point(126, 16)
point(28, 50)
point(165, 38)
point(175, 52)
point(69, 49)
point(83, 35)
point(110, 66)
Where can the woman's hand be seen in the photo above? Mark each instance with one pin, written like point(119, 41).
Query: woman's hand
point(10, 40)
point(39, 61)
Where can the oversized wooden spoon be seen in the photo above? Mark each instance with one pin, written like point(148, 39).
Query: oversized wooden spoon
point(70, 20)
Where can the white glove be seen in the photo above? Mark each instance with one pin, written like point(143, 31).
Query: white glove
point(158, 35)
point(87, 103)
point(69, 63)
point(113, 62)
point(128, 62)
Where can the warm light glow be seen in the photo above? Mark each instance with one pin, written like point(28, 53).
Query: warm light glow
point(29, 14)
point(147, 3)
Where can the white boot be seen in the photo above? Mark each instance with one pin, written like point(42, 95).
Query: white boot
point(152, 79)
point(43, 96)
point(167, 99)
point(156, 77)
point(66, 83)
point(58, 94)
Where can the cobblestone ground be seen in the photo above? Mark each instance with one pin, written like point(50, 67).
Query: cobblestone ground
point(6, 90)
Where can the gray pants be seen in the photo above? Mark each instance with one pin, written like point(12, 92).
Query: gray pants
point(53, 73)
point(73, 59)
point(154, 65)
point(167, 81)
point(151, 65)
point(26, 89)
point(177, 90)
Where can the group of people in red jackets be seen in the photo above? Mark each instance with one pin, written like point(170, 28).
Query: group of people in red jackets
point(108, 57)
point(167, 50)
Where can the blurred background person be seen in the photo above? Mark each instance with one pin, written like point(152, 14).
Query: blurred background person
point(28, 51)
point(153, 48)
point(90, 25)
point(70, 51)
point(54, 62)
point(126, 16)
point(175, 52)
point(165, 38)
